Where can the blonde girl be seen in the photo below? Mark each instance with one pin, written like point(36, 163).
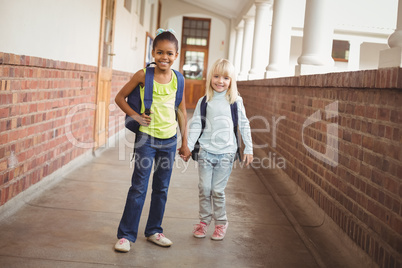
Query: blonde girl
point(218, 146)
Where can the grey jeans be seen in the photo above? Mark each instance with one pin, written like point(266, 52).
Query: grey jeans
point(214, 171)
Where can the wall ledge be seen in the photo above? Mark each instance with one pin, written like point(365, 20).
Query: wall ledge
point(390, 78)
point(23, 60)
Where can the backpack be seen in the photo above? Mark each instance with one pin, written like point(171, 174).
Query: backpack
point(134, 98)
point(233, 111)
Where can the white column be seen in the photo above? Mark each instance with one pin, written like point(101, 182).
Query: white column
point(246, 47)
point(317, 39)
point(238, 47)
point(354, 55)
point(280, 41)
point(392, 57)
point(261, 39)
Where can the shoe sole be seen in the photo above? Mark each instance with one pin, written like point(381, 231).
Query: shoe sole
point(159, 244)
point(121, 250)
point(199, 236)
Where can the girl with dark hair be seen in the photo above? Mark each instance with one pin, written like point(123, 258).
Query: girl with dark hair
point(155, 143)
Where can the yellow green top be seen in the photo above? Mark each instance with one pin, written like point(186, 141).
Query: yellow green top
point(163, 124)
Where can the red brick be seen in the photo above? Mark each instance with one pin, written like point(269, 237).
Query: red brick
point(388, 132)
point(350, 108)
point(384, 114)
point(355, 165)
point(4, 112)
point(371, 112)
point(356, 138)
point(3, 164)
point(397, 135)
point(3, 138)
point(380, 146)
point(6, 99)
point(396, 116)
point(368, 142)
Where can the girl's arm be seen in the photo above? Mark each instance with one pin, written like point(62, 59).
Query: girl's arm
point(120, 99)
point(184, 152)
point(195, 126)
point(245, 131)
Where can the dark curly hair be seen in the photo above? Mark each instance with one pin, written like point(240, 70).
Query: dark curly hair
point(166, 36)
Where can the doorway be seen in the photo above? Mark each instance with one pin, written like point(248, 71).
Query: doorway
point(105, 71)
point(194, 57)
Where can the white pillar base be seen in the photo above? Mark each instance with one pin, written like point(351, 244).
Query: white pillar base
point(391, 57)
point(241, 77)
point(277, 74)
point(254, 76)
point(305, 69)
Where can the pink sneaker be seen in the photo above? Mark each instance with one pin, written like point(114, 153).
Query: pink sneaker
point(200, 230)
point(220, 231)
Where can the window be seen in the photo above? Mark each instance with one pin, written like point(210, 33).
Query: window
point(195, 43)
point(142, 12)
point(340, 50)
point(127, 5)
point(196, 31)
point(137, 6)
point(151, 22)
point(193, 66)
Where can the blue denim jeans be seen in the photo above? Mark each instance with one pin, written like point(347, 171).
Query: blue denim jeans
point(147, 150)
point(214, 171)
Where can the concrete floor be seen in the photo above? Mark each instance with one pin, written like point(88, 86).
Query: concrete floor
point(74, 223)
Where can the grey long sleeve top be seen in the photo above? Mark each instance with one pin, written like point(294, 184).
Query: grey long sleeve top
point(218, 136)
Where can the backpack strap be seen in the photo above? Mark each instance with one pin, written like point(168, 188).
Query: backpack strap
point(235, 119)
point(148, 87)
point(233, 110)
point(134, 98)
point(149, 84)
point(203, 109)
point(180, 89)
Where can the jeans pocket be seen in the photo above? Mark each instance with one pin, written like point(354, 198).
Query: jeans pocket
point(202, 154)
point(229, 157)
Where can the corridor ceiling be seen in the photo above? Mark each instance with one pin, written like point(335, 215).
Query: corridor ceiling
point(228, 8)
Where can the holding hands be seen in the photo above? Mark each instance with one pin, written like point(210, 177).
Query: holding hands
point(184, 153)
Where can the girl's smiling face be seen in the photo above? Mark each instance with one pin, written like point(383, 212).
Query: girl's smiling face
point(165, 53)
point(220, 82)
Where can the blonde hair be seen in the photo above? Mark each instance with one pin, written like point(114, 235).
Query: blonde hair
point(225, 68)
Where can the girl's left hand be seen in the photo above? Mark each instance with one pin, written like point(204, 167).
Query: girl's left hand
point(184, 153)
point(248, 158)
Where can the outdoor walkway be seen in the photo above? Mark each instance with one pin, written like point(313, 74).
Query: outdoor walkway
point(74, 223)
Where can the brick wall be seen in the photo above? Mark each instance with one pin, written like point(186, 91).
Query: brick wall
point(116, 115)
point(354, 173)
point(36, 97)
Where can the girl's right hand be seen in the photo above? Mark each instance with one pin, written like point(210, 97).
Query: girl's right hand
point(248, 159)
point(143, 119)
